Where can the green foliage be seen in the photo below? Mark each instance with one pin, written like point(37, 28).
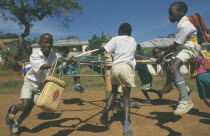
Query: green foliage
point(27, 47)
point(26, 12)
point(148, 52)
point(8, 36)
point(96, 41)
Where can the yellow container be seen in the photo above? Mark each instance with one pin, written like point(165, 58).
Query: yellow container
point(51, 94)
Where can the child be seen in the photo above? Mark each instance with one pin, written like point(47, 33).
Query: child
point(203, 81)
point(122, 72)
point(156, 53)
point(145, 76)
point(40, 61)
point(70, 70)
point(185, 41)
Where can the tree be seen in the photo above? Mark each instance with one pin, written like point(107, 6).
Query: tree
point(8, 36)
point(26, 12)
point(96, 41)
point(27, 47)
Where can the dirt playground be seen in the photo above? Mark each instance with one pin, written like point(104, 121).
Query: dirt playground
point(78, 116)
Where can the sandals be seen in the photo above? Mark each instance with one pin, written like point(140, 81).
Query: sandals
point(9, 117)
point(104, 120)
point(14, 129)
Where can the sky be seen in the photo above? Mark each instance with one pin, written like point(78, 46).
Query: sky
point(148, 18)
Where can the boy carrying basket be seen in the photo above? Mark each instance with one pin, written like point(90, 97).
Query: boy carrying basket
point(40, 61)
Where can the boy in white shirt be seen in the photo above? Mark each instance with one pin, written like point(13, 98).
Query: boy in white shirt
point(184, 44)
point(40, 61)
point(122, 73)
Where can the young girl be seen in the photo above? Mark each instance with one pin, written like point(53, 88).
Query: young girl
point(203, 81)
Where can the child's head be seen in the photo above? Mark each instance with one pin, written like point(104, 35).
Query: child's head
point(64, 51)
point(125, 29)
point(157, 52)
point(46, 43)
point(176, 11)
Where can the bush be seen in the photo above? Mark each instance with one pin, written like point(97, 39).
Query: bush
point(148, 52)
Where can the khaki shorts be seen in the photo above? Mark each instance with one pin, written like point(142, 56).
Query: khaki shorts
point(185, 54)
point(146, 86)
point(122, 74)
point(31, 90)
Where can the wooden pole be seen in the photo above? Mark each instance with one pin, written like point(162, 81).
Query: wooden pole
point(108, 83)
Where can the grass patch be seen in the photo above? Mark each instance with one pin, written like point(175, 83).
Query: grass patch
point(92, 83)
point(5, 73)
point(11, 86)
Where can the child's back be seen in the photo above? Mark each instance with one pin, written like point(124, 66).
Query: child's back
point(124, 49)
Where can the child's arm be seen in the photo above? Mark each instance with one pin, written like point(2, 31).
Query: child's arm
point(102, 49)
point(46, 66)
point(169, 50)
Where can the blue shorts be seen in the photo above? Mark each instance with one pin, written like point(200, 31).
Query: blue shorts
point(203, 85)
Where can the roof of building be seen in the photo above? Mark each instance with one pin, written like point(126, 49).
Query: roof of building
point(157, 42)
point(71, 42)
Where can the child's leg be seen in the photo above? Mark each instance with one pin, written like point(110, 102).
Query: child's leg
point(77, 87)
point(178, 79)
point(168, 87)
point(207, 101)
point(126, 100)
point(185, 103)
point(104, 117)
point(76, 80)
point(158, 92)
point(111, 97)
point(26, 106)
point(144, 89)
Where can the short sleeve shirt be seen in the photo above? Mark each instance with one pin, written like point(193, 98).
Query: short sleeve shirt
point(124, 48)
point(38, 59)
point(185, 30)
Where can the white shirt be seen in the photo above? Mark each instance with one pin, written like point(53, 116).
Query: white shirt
point(185, 30)
point(124, 48)
point(37, 59)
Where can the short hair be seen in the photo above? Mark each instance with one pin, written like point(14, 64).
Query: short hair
point(64, 48)
point(181, 6)
point(125, 29)
point(40, 38)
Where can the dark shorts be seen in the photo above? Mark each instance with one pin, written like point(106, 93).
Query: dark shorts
point(144, 74)
point(203, 85)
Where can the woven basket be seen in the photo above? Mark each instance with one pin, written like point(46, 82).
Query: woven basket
point(51, 94)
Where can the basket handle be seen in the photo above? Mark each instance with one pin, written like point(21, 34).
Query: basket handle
point(54, 64)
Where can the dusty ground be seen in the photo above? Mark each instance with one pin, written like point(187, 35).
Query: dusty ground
point(78, 116)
